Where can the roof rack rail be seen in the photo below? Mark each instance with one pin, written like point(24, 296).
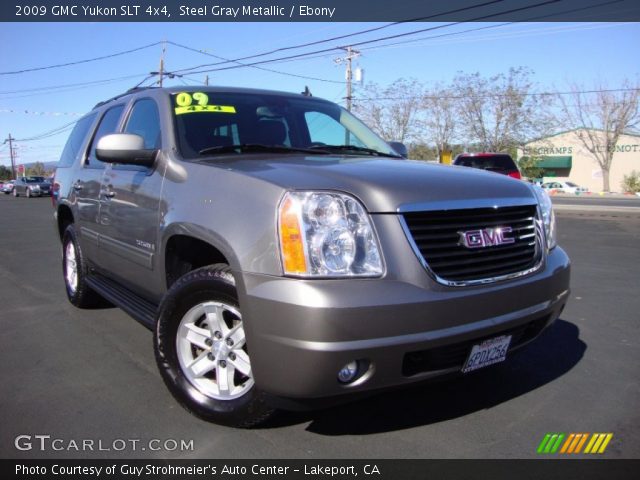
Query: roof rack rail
point(130, 91)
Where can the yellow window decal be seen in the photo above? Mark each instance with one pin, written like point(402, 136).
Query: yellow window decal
point(205, 108)
point(185, 104)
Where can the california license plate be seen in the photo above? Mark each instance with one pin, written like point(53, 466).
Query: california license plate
point(487, 353)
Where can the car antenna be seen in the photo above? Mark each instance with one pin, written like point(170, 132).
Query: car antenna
point(307, 92)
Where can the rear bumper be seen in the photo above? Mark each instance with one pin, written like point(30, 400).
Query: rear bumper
point(302, 332)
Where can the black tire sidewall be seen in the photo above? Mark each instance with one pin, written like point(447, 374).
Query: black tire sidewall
point(202, 285)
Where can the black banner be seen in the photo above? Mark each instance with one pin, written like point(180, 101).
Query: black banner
point(315, 469)
point(318, 10)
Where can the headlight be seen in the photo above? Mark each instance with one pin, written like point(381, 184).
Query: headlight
point(325, 234)
point(548, 217)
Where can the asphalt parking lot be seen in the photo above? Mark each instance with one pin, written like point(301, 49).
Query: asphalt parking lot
point(90, 374)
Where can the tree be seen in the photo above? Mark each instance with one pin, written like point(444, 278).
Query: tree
point(529, 167)
point(440, 115)
point(36, 169)
point(421, 151)
point(392, 112)
point(599, 118)
point(631, 183)
point(500, 113)
point(5, 173)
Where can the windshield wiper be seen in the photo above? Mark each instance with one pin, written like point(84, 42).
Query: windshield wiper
point(354, 148)
point(258, 148)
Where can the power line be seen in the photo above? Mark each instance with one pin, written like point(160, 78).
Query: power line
point(49, 133)
point(54, 87)
point(103, 57)
point(306, 77)
point(341, 37)
point(512, 34)
point(366, 42)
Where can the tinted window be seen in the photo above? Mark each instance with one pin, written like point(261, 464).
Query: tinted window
point(487, 162)
point(108, 124)
point(75, 141)
point(34, 179)
point(145, 121)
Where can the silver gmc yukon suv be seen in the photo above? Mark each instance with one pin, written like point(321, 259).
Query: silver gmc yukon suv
point(285, 255)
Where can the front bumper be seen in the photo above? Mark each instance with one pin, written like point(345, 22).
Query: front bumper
point(300, 333)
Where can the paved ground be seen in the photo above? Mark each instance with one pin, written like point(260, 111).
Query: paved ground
point(595, 200)
point(77, 375)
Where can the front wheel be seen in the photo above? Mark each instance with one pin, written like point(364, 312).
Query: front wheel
point(28, 193)
point(74, 270)
point(202, 353)
point(15, 192)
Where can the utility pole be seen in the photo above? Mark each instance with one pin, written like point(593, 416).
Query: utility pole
point(161, 71)
point(12, 155)
point(206, 80)
point(351, 54)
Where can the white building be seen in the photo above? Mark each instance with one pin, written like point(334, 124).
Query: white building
point(564, 155)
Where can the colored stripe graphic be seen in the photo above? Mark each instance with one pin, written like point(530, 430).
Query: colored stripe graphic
point(598, 443)
point(568, 442)
point(543, 443)
point(551, 442)
point(581, 443)
point(573, 443)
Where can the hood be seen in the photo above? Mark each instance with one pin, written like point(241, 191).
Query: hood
point(383, 185)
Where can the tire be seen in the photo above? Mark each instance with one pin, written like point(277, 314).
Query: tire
point(15, 192)
point(74, 272)
point(200, 318)
point(28, 193)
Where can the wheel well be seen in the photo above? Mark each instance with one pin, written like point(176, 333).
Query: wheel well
point(184, 254)
point(65, 218)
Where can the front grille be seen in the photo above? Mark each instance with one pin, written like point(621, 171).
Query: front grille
point(454, 356)
point(437, 237)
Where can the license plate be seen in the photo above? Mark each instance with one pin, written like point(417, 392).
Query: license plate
point(487, 353)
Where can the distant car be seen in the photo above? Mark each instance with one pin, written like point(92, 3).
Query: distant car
point(33, 186)
point(492, 162)
point(7, 187)
point(566, 187)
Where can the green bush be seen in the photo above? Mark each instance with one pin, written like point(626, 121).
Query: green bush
point(631, 183)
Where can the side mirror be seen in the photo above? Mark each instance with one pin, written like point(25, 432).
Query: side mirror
point(399, 147)
point(126, 149)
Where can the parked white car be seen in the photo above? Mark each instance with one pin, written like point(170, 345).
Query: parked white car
point(564, 186)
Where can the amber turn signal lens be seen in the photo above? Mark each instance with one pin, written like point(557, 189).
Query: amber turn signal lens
point(291, 242)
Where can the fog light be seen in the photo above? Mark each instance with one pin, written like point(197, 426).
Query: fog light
point(349, 372)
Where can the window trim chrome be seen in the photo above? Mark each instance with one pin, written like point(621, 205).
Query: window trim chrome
point(541, 250)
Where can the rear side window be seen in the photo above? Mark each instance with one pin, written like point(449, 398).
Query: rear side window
point(108, 124)
point(75, 141)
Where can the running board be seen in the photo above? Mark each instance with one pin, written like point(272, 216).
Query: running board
point(140, 309)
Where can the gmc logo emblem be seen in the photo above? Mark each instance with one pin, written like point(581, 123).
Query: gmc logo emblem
point(486, 237)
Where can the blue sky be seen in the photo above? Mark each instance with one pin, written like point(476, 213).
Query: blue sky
point(558, 53)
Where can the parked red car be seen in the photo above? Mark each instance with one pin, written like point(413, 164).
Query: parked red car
point(493, 162)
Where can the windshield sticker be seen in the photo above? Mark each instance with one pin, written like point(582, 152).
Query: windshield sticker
point(198, 102)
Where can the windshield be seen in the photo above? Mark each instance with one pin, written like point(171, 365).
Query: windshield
point(205, 120)
point(34, 179)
